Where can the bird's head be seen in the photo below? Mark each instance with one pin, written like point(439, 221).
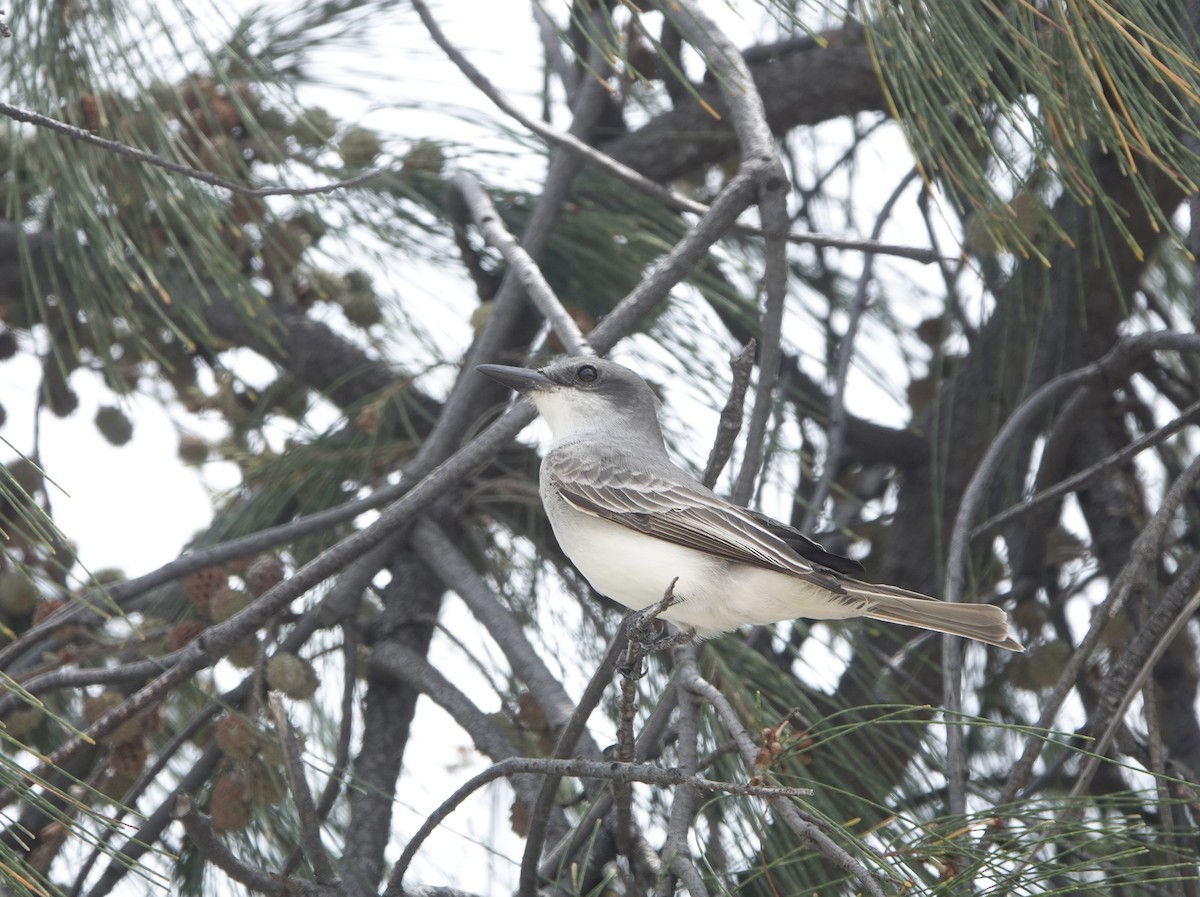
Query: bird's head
point(584, 395)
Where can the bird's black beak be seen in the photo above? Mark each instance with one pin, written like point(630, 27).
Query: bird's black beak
point(523, 380)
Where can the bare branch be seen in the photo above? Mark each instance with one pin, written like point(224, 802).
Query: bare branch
point(1178, 608)
point(341, 753)
point(464, 405)
point(149, 776)
point(552, 48)
point(729, 426)
point(140, 842)
point(760, 161)
point(220, 637)
point(806, 829)
point(19, 693)
point(200, 832)
point(522, 266)
point(406, 665)
point(836, 429)
point(447, 562)
point(1141, 555)
point(676, 264)
point(540, 809)
point(1170, 615)
point(1083, 477)
point(196, 174)
point(558, 769)
point(629, 176)
point(686, 798)
point(1114, 367)
point(100, 604)
point(630, 843)
point(293, 765)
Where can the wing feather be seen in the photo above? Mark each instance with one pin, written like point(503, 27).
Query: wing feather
point(803, 545)
point(681, 513)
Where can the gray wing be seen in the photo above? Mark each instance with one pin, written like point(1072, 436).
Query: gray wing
point(680, 512)
point(803, 545)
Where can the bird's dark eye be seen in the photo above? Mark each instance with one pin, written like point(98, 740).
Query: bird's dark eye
point(587, 373)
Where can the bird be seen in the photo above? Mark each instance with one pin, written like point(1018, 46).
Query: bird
point(633, 522)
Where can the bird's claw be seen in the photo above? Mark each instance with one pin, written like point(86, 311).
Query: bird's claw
point(647, 637)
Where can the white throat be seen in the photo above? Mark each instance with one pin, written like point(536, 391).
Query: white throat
point(573, 415)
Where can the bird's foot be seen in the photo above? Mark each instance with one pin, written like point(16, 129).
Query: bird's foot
point(648, 636)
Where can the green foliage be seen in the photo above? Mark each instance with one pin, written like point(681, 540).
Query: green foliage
point(1021, 94)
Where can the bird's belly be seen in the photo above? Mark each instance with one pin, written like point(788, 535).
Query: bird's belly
point(631, 567)
point(714, 595)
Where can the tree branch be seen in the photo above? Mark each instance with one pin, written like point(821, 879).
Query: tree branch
point(729, 426)
point(445, 559)
point(200, 831)
point(805, 829)
point(539, 814)
point(522, 266)
point(1083, 477)
point(759, 161)
point(196, 174)
point(630, 176)
point(645, 773)
point(1141, 554)
point(306, 812)
point(836, 430)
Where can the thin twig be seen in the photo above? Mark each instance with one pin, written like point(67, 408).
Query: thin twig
point(1162, 785)
point(200, 831)
point(642, 626)
point(406, 665)
point(492, 228)
point(18, 693)
point(1131, 673)
point(522, 277)
point(162, 757)
point(575, 851)
point(341, 752)
point(141, 841)
point(1141, 554)
point(686, 798)
point(760, 161)
point(1075, 482)
point(1117, 699)
point(741, 365)
point(836, 429)
point(674, 201)
point(540, 809)
point(115, 146)
point(645, 773)
point(447, 562)
point(462, 408)
point(103, 603)
point(552, 50)
point(306, 812)
point(336, 605)
point(806, 829)
point(677, 263)
point(220, 637)
point(1113, 367)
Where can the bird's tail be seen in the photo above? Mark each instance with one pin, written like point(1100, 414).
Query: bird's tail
point(982, 622)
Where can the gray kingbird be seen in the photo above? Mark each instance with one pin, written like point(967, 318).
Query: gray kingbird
point(632, 521)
